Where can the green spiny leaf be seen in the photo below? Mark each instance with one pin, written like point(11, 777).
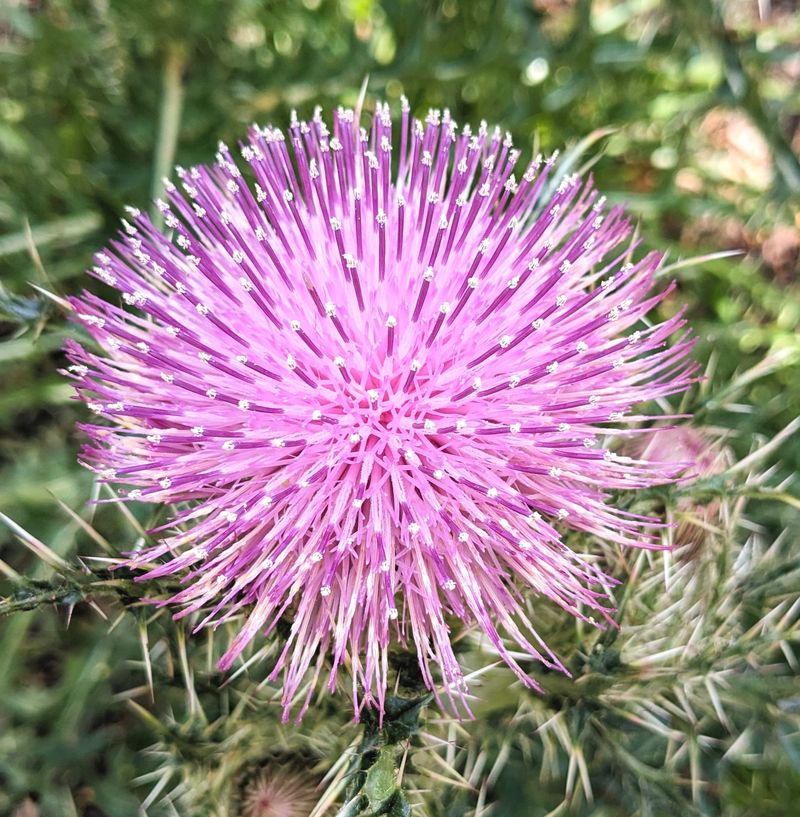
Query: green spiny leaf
point(380, 784)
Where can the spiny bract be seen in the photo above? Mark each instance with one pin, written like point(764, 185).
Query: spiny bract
point(377, 396)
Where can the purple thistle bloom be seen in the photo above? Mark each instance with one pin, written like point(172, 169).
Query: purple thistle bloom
point(379, 398)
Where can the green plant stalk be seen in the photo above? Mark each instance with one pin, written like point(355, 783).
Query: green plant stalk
point(169, 121)
point(29, 594)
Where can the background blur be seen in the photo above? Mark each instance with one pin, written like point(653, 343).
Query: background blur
point(694, 109)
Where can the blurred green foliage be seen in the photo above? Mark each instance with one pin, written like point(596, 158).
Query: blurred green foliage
point(702, 104)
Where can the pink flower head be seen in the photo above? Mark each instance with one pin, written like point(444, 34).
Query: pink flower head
point(378, 376)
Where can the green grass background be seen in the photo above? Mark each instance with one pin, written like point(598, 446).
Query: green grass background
point(694, 111)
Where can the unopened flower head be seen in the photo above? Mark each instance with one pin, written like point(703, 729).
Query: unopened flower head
point(698, 453)
point(278, 791)
point(378, 383)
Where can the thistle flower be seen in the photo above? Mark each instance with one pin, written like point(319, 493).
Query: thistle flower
point(378, 397)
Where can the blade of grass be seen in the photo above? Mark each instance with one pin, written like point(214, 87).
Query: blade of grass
point(168, 122)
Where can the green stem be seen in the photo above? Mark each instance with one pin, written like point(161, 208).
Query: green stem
point(29, 598)
point(30, 594)
point(374, 789)
point(169, 121)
